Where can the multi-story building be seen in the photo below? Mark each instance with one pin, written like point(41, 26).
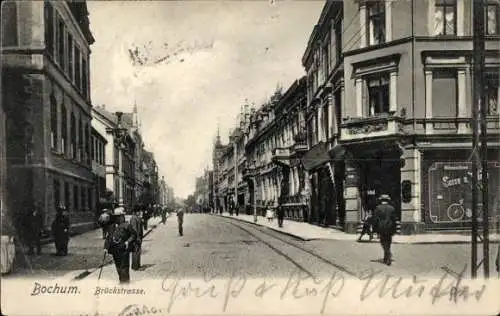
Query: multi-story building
point(396, 82)
point(163, 192)
point(46, 97)
point(151, 183)
point(98, 154)
point(119, 153)
point(322, 61)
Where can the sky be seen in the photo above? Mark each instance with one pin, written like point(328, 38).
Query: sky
point(190, 65)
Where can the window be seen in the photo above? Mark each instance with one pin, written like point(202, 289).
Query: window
point(84, 87)
point(87, 143)
point(338, 42)
point(77, 67)
point(378, 95)
point(326, 59)
point(492, 13)
point(81, 140)
point(57, 192)
point(73, 136)
point(444, 93)
point(64, 129)
point(491, 93)
point(67, 199)
point(325, 127)
point(49, 28)
point(9, 24)
point(445, 17)
point(53, 122)
point(375, 22)
point(76, 206)
point(83, 200)
point(338, 110)
point(70, 57)
point(92, 149)
point(61, 39)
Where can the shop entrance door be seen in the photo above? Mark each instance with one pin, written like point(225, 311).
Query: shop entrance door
point(380, 174)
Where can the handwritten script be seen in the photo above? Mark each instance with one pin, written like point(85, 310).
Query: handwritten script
point(374, 285)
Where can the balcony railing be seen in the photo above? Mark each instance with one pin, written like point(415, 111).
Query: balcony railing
point(377, 126)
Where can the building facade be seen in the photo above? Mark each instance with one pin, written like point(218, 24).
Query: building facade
point(98, 154)
point(387, 129)
point(45, 61)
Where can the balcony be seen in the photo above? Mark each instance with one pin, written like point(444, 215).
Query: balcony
point(384, 125)
point(282, 156)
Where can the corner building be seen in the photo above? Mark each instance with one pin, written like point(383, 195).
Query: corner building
point(46, 92)
point(405, 110)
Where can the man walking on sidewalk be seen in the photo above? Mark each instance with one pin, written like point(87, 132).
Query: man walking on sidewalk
point(35, 226)
point(135, 222)
point(118, 243)
point(60, 230)
point(180, 220)
point(385, 219)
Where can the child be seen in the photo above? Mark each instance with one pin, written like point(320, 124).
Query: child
point(269, 213)
point(367, 226)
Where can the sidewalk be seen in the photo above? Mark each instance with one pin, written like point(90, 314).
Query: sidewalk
point(85, 253)
point(306, 231)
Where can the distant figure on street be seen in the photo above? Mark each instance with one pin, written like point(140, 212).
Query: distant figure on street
point(136, 247)
point(497, 261)
point(367, 226)
point(60, 231)
point(119, 241)
point(385, 219)
point(180, 220)
point(269, 213)
point(280, 210)
point(146, 215)
point(35, 227)
point(163, 215)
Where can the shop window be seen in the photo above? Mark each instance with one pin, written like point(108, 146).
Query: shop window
point(406, 191)
point(492, 14)
point(491, 93)
point(375, 22)
point(445, 17)
point(378, 95)
point(49, 28)
point(9, 24)
point(444, 96)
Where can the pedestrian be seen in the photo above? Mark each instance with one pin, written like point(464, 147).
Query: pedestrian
point(60, 230)
point(104, 221)
point(269, 213)
point(280, 210)
point(118, 243)
point(136, 223)
point(146, 214)
point(180, 220)
point(164, 215)
point(385, 219)
point(35, 226)
point(497, 261)
point(367, 226)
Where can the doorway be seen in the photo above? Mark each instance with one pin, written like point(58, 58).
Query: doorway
point(380, 173)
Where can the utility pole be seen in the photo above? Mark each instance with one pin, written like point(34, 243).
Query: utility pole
point(479, 111)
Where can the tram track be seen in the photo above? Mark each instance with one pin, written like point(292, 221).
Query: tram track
point(262, 230)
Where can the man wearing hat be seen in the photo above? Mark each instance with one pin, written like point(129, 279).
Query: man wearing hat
point(385, 220)
point(60, 230)
point(119, 241)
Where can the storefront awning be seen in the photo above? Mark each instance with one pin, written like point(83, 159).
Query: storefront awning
point(317, 156)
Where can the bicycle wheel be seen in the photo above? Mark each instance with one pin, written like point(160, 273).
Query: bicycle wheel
point(455, 212)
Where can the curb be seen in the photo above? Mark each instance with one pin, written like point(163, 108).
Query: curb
point(438, 242)
point(271, 228)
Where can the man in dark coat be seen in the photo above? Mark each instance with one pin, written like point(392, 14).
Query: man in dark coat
point(119, 240)
point(280, 214)
point(136, 223)
point(385, 219)
point(34, 230)
point(60, 230)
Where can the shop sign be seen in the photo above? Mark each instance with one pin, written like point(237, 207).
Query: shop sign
point(450, 191)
